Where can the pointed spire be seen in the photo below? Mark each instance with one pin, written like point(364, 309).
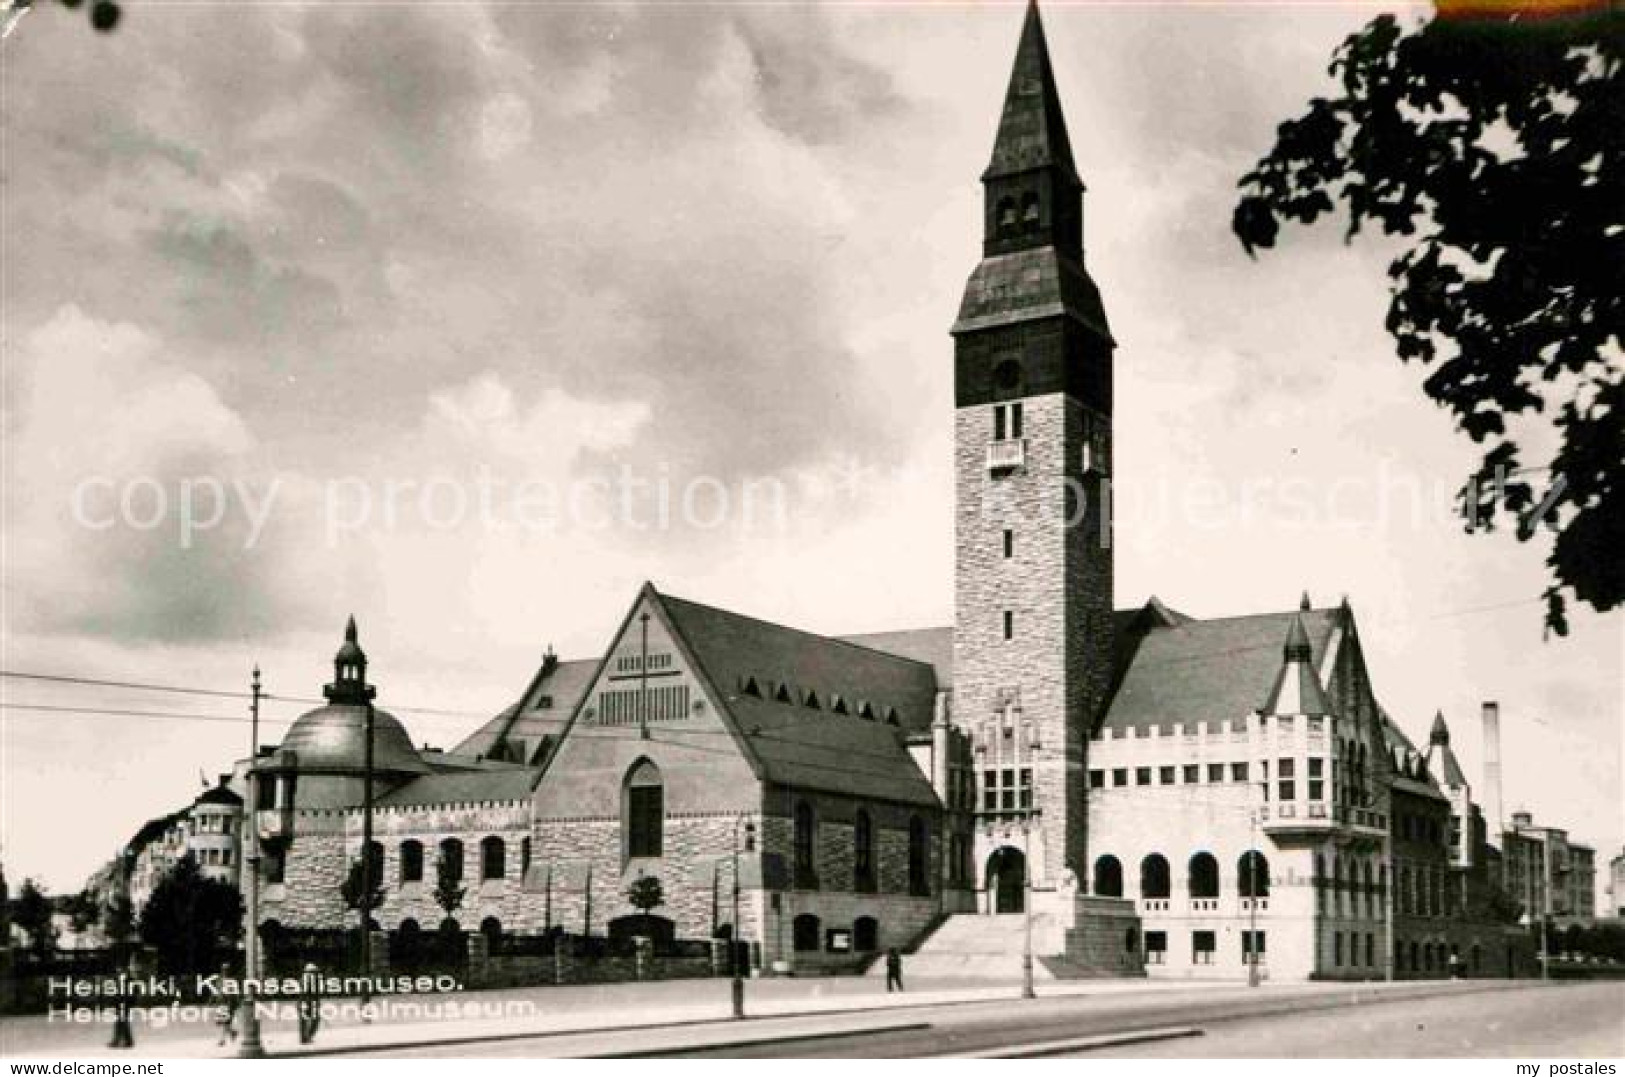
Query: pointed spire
point(1032, 131)
point(1304, 604)
point(349, 670)
point(1297, 689)
point(1440, 733)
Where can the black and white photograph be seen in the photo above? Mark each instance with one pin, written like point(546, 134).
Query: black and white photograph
point(812, 529)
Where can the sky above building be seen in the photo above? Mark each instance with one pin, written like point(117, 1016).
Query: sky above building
point(466, 319)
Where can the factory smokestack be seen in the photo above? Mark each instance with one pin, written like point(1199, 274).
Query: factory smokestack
point(1493, 820)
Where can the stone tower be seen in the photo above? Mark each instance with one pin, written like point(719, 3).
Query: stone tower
point(1032, 427)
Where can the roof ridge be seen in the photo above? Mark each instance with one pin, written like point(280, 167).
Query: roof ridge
point(797, 631)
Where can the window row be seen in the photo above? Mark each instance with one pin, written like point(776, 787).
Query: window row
point(450, 860)
point(808, 935)
point(864, 871)
point(1202, 876)
point(1285, 788)
point(1353, 888)
point(1204, 944)
point(809, 697)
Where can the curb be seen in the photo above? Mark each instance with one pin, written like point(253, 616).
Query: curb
point(1083, 1043)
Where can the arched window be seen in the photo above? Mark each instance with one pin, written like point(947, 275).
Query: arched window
point(866, 934)
point(863, 853)
point(1029, 211)
point(491, 928)
point(493, 858)
point(451, 855)
point(804, 931)
point(1006, 215)
point(1155, 878)
point(643, 810)
point(1204, 876)
point(806, 847)
point(919, 857)
point(1108, 876)
point(411, 861)
point(1253, 875)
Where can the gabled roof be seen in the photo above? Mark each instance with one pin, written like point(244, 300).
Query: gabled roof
point(794, 745)
point(933, 646)
point(1032, 131)
point(1441, 757)
point(542, 712)
point(1205, 671)
point(1297, 686)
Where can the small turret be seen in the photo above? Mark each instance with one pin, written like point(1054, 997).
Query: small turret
point(1297, 688)
point(349, 671)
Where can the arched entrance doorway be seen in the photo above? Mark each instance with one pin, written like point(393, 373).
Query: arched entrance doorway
point(1006, 878)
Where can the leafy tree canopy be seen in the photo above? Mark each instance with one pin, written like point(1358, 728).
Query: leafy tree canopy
point(646, 894)
point(1492, 146)
point(190, 917)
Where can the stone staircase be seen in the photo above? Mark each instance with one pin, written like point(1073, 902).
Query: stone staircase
point(972, 946)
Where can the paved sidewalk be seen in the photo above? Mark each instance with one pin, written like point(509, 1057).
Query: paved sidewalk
point(593, 1020)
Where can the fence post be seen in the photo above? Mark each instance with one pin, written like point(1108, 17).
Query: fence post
point(643, 957)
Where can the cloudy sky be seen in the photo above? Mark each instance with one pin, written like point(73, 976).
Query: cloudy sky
point(422, 307)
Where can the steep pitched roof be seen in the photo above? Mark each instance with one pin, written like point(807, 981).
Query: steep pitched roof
point(481, 786)
point(1032, 131)
point(1297, 686)
point(1206, 671)
point(542, 712)
point(933, 646)
point(1441, 757)
point(795, 745)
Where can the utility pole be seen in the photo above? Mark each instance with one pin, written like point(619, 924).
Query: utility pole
point(1251, 948)
point(734, 942)
point(251, 1046)
point(366, 860)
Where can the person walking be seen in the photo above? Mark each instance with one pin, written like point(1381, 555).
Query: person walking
point(225, 1007)
point(894, 970)
point(310, 1003)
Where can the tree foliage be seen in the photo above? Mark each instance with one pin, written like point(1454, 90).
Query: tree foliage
point(190, 917)
point(449, 890)
point(33, 911)
point(1493, 148)
point(356, 887)
point(646, 894)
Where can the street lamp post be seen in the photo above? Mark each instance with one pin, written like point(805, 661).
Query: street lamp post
point(1251, 949)
point(738, 986)
point(366, 860)
point(1027, 911)
point(251, 1045)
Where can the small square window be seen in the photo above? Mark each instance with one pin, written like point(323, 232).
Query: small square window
point(1238, 772)
point(1120, 776)
point(1142, 775)
point(1165, 776)
point(1193, 773)
point(1215, 772)
point(1097, 779)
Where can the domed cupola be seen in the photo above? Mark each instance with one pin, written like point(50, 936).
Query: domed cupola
point(332, 739)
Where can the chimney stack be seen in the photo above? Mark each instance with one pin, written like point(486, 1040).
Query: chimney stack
point(1493, 820)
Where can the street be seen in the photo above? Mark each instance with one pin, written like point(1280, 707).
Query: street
point(1571, 1021)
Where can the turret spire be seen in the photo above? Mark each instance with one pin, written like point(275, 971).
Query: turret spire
point(1440, 733)
point(1297, 689)
point(1032, 130)
point(349, 671)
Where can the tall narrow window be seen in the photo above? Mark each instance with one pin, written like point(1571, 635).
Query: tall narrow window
point(919, 857)
point(411, 861)
point(1009, 543)
point(1253, 875)
point(1007, 421)
point(863, 854)
point(644, 810)
point(1203, 876)
point(493, 858)
point(806, 843)
point(1009, 624)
